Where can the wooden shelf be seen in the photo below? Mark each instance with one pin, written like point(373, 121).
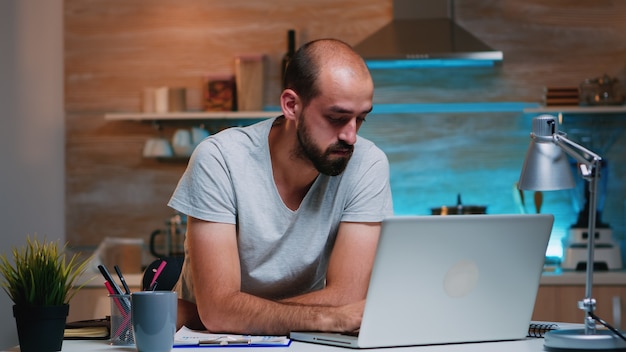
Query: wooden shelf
point(401, 108)
point(188, 115)
point(527, 108)
point(604, 109)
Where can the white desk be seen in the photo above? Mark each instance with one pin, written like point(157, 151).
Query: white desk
point(528, 345)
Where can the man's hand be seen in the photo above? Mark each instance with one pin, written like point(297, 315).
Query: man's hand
point(348, 317)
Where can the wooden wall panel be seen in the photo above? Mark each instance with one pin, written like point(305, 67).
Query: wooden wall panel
point(115, 48)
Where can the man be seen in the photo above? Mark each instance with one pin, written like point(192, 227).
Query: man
point(284, 215)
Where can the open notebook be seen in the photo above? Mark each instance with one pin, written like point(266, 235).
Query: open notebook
point(450, 279)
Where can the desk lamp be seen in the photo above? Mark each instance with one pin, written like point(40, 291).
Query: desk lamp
point(545, 169)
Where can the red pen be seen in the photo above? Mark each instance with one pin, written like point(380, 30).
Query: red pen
point(156, 275)
point(109, 287)
point(117, 301)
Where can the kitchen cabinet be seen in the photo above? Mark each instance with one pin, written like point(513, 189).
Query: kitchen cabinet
point(558, 297)
point(560, 303)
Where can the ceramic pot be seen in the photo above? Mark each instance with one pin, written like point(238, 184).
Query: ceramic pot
point(40, 328)
point(459, 210)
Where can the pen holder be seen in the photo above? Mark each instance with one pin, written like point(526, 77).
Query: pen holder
point(121, 320)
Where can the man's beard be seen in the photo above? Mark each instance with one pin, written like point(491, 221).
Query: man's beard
point(322, 160)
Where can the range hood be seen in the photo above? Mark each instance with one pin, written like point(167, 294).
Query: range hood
point(424, 30)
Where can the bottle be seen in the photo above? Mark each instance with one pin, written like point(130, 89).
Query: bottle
point(291, 49)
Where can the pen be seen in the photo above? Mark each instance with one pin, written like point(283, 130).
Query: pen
point(156, 274)
point(107, 276)
point(119, 274)
point(220, 342)
point(109, 288)
point(245, 341)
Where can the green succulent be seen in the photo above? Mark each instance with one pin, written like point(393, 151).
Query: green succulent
point(40, 274)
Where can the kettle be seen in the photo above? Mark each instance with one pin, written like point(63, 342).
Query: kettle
point(169, 242)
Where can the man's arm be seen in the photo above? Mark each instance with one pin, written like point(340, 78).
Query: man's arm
point(349, 268)
point(222, 307)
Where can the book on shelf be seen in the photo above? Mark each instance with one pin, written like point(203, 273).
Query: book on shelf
point(561, 96)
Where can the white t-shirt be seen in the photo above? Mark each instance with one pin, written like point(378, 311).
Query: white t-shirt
point(282, 252)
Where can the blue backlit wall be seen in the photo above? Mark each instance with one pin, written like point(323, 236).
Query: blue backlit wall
point(436, 155)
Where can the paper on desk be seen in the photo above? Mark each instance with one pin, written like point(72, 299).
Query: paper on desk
point(188, 337)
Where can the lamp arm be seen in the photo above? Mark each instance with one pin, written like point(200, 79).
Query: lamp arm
point(592, 174)
point(577, 151)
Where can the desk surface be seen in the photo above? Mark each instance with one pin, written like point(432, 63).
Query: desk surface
point(527, 345)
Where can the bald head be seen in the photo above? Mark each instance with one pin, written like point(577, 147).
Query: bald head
point(318, 58)
point(334, 53)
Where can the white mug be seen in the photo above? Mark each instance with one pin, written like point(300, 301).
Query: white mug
point(157, 147)
point(198, 134)
point(182, 142)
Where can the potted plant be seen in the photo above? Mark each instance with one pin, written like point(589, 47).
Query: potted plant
point(40, 282)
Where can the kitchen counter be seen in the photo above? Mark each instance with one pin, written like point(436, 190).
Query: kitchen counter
point(92, 300)
point(560, 277)
point(554, 300)
point(96, 280)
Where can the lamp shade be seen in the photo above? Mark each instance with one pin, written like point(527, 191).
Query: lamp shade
point(546, 168)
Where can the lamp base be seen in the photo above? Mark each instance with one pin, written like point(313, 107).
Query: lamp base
point(577, 340)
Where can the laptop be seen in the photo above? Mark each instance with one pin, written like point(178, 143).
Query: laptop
point(450, 279)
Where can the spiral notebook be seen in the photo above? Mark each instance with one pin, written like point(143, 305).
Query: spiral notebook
point(540, 328)
point(450, 279)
